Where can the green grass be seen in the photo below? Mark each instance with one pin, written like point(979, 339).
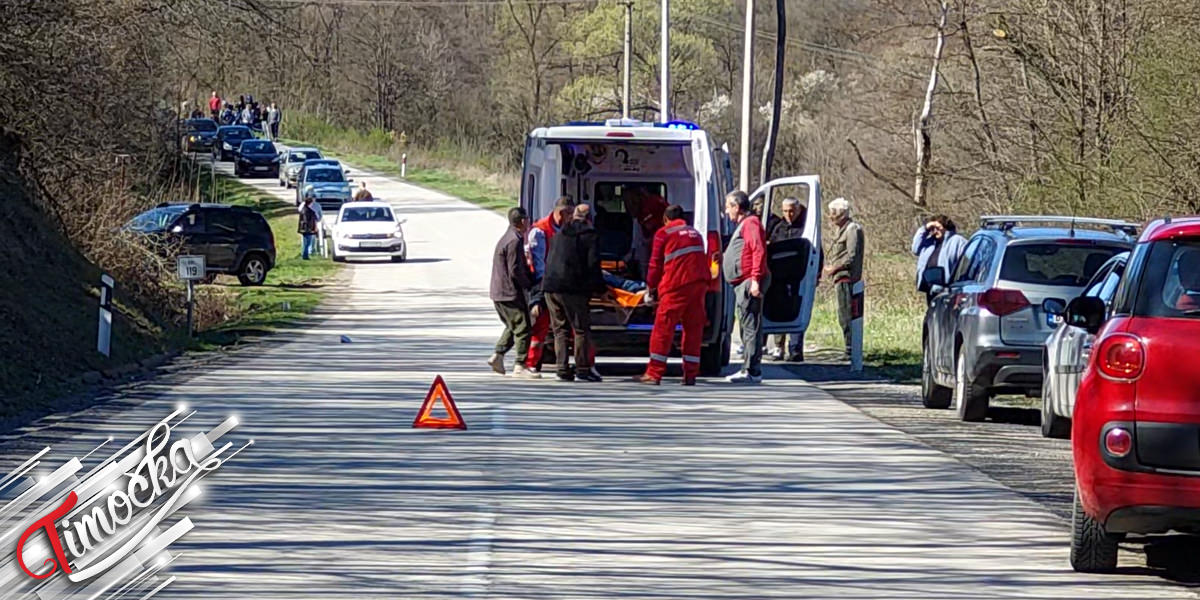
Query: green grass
point(293, 287)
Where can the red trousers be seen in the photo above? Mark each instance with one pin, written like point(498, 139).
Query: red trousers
point(537, 340)
point(683, 306)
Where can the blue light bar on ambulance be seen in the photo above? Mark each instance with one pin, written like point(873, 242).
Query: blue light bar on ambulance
point(688, 125)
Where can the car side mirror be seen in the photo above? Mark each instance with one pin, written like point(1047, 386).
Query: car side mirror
point(935, 276)
point(349, 180)
point(1087, 313)
point(177, 229)
point(1054, 306)
point(402, 221)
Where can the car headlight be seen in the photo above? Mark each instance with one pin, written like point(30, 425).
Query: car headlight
point(227, 146)
point(398, 233)
point(192, 138)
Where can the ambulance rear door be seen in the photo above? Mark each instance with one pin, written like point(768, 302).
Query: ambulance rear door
point(795, 264)
point(540, 178)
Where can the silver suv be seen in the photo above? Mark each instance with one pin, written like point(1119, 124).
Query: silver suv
point(989, 317)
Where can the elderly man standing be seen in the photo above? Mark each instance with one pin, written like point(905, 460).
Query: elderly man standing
point(845, 263)
point(787, 262)
point(510, 281)
point(573, 276)
point(745, 267)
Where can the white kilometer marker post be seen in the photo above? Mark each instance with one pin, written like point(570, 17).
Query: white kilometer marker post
point(104, 334)
point(191, 268)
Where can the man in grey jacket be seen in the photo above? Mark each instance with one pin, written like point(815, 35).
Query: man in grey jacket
point(845, 265)
point(510, 281)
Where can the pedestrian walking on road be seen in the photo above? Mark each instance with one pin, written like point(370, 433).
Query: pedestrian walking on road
point(745, 267)
point(678, 276)
point(845, 263)
point(936, 244)
point(310, 223)
point(538, 241)
point(214, 105)
point(510, 282)
point(248, 115)
point(274, 117)
point(573, 276)
point(787, 259)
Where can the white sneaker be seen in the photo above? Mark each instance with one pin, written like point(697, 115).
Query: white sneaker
point(777, 354)
point(739, 350)
point(496, 362)
point(743, 377)
point(521, 372)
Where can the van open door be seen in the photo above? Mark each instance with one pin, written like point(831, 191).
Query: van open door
point(540, 179)
point(794, 261)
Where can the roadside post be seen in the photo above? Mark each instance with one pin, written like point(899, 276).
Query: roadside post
point(191, 268)
point(403, 165)
point(104, 333)
point(856, 325)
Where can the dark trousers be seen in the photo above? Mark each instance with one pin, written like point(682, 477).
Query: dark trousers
point(748, 310)
point(515, 316)
point(844, 292)
point(569, 312)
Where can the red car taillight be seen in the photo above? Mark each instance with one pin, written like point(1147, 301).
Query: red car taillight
point(714, 261)
point(1121, 356)
point(1003, 302)
point(1118, 442)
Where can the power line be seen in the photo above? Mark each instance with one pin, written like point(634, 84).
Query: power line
point(429, 3)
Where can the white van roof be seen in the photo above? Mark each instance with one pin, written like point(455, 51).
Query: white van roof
point(617, 130)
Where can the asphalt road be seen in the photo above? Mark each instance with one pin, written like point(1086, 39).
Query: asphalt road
point(557, 490)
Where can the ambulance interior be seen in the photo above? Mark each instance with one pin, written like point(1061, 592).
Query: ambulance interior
point(627, 185)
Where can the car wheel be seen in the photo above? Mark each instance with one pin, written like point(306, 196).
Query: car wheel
point(932, 394)
point(401, 258)
point(254, 270)
point(969, 399)
point(1053, 426)
point(339, 259)
point(1093, 550)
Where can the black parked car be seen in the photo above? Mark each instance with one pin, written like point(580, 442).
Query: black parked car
point(200, 135)
point(256, 158)
point(235, 240)
point(228, 139)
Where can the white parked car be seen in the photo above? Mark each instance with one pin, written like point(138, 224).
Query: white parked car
point(368, 230)
point(1068, 350)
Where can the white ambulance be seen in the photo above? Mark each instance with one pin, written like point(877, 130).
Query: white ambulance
point(615, 165)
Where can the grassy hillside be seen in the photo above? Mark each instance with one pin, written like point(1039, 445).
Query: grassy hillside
point(49, 303)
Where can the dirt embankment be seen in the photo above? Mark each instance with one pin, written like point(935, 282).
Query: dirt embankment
point(48, 305)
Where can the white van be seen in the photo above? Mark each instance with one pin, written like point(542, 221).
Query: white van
point(611, 166)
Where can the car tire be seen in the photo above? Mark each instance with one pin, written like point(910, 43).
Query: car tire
point(714, 357)
point(970, 400)
point(932, 394)
point(254, 270)
point(1053, 426)
point(1093, 549)
point(339, 259)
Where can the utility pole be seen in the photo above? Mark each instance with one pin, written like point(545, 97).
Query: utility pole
point(747, 99)
point(664, 104)
point(768, 158)
point(625, 94)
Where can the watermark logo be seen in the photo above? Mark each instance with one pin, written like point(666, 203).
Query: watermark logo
point(106, 533)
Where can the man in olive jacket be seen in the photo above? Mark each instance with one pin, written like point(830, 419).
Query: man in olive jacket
point(845, 267)
point(573, 276)
point(510, 281)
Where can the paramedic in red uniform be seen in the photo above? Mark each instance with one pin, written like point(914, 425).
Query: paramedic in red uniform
point(679, 274)
point(535, 249)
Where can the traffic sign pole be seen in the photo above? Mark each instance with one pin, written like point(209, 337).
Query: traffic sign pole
point(191, 302)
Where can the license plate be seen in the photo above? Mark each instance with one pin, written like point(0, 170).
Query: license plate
point(371, 244)
point(260, 168)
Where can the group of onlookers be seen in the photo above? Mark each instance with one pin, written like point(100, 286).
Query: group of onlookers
point(246, 111)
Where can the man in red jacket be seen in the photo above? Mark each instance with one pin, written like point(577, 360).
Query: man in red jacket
point(678, 275)
point(214, 105)
point(745, 267)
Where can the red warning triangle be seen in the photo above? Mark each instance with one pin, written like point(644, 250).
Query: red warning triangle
point(438, 392)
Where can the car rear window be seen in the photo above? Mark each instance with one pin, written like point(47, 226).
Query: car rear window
point(1170, 281)
point(1062, 264)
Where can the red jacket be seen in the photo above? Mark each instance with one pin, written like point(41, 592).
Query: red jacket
point(746, 256)
point(214, 103)
point(677, 258)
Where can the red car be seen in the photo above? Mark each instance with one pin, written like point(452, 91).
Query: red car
point(1136, 427)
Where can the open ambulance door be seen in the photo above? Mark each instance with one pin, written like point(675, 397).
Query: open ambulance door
point(540, 178)
point(794, 264)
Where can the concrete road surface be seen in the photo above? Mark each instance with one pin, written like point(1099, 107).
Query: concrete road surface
point(558, 491)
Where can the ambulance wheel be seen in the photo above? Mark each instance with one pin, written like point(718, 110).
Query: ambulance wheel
point(713, 358)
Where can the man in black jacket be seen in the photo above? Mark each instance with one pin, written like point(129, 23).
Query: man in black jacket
point(573, 275)
point(510, 281)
